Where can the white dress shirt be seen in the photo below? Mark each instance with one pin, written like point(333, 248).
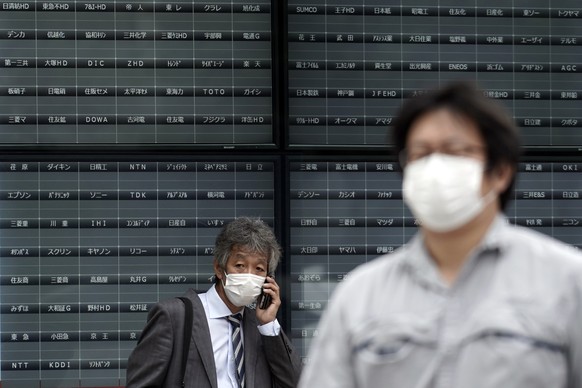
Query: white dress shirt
point(221, 336)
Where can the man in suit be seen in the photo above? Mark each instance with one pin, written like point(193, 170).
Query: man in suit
point(246, 251)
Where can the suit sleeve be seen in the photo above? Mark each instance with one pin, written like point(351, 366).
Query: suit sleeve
point(283, 360)
point(147, 365)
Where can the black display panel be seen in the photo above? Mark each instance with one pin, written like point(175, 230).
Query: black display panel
point(352, 63)
point(85, 72)
point(89, 243)
point(87, 246)
point(346, 212)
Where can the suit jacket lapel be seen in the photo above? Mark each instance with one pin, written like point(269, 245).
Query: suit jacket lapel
point(201, 337)
point(252, 343)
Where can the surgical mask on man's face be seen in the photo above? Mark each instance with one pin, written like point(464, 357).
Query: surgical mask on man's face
point(243, 288)
point(444, 191)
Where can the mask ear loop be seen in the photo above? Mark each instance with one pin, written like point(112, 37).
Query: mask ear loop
point(223, 280)
point(213, 278)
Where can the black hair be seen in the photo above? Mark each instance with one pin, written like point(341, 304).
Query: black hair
point(494, 123)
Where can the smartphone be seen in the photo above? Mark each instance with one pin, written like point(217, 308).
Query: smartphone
point(264, 300)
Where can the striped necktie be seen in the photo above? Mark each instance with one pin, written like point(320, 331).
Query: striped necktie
point(239, 352)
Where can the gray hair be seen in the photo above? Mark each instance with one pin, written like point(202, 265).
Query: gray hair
point(251, 233)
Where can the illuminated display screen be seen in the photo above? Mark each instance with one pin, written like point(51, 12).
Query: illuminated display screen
point(87, 247)
point(350, 64)
point(84, 72)
point(89, 242)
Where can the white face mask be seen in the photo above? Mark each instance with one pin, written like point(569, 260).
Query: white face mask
point(243, 288)
point(444, 191)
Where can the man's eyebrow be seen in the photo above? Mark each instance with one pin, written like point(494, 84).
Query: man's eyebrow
point(263, 261)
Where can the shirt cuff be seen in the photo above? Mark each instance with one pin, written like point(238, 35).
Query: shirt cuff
point(271, 329)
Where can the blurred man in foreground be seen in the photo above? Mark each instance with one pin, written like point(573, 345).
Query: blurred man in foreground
point(470, 301)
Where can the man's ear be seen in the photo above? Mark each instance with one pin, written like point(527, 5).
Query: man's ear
point(502, 176)
point(218, 271)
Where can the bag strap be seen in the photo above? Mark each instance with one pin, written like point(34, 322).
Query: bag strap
point(189, 316)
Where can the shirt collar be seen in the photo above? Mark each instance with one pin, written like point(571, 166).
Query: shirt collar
point(216, 306)
point(495, 238)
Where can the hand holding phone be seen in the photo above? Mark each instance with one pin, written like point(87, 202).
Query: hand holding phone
point(264, 300)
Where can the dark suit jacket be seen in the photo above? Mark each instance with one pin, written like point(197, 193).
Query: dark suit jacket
point(156, 361)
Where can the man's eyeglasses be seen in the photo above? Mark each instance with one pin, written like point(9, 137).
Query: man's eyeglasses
point(414, 153)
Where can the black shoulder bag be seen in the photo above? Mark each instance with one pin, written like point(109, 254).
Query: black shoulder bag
point(189, 316)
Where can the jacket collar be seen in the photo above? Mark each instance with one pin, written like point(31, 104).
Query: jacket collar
point(201, 337)
point(422, 264)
